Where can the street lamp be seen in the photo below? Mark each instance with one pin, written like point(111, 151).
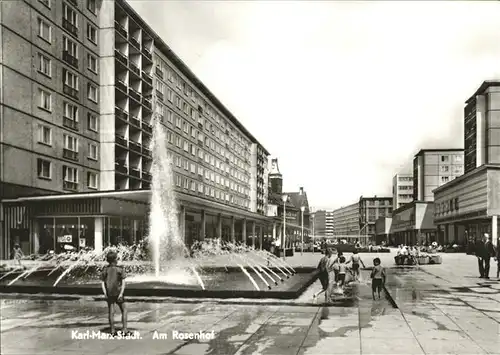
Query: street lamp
point(285, 198)
point(313, 233)
point(302, 208)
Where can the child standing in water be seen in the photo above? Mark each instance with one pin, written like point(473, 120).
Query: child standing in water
point(113, 286)
point(17, 254)
point(356, 260)
point(342, 270)
point(323, 267)
point(378, 277)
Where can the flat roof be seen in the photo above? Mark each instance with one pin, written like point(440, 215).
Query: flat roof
point(463, 177)
point(484, 86)
point(422, 151)
point(410, 205)
point(375, 198)
point(160, 43)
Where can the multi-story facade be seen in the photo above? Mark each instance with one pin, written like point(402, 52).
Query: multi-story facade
point(469, 206)
point(346, 221)
point(370, 209)
point(402, 190)
point(481, 127)
point(433, 168)
point(82, 88)
point(323, 224)
point(50, 105)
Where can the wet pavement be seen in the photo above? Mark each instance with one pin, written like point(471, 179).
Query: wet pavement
point(441, 309)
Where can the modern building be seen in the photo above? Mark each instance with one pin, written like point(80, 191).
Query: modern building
point(371, 209)
point(346, 222)
point(433, 168)
point(481, 127)
point(402, 190)
point(469, 206)
point(82, 88)
point(413, 223)
point(324, 225)
point(285, 210)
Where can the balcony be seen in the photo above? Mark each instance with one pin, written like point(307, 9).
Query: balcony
point(136, 122)
point(147, 102)
point(70, 123)
point(147, 127)
point(200, 125)
point(147, 176)
point(135, 69)
point(147, 78)
point(121, 114)
point(68, 90)
point(136, 147)
point(70, 59)
point(70, 185)
point(147, 53)
point(121, 168)
point(159, 95)
point(134, 94)
point(135, 173)
point(121, 85)
point(68, 26)
point(146, 185)
point(69, 154)
point(120, 140)
point(135, 42)
point(147, 152)
point(120, 29)
point(159, 72)
point(227, 160)
point(200, 144)
point(121, 57)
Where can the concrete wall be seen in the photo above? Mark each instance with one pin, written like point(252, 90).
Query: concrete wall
point(493, 204)
point(424, 216)
point(253, 178)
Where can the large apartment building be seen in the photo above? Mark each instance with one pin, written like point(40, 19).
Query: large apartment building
point(346, 221)
point(433, 168)
point(82, 86)
point(402, 190)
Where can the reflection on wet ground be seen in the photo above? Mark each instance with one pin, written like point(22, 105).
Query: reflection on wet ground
point(432, 317)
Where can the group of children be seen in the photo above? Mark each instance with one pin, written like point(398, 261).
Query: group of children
point(333, 271)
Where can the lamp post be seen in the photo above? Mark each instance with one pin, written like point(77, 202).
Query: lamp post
point(302, 208)
point(283, 239)
point(313, 234)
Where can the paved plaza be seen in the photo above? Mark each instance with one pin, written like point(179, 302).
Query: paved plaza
point(440, 309)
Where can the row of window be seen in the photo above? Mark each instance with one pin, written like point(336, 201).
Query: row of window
point(220, 137)
point(210, 175)
point(91, 5)
point(70, 175)
point(455, 169)
point(70, 110)
point(71, 143)
point(182, 87)
point(191, 148)
point(194, 186)
point(455, 158)
point(405, 187)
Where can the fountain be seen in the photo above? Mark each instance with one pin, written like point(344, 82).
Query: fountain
point(209, 270)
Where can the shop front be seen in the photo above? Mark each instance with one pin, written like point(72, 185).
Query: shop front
point(413, 224)
point(468, 207)
point(98, 220)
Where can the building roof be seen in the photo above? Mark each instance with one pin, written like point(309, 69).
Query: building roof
point(484, 86)
point(276, 199)
point(410, 205)
point(187, 72)
point(298, 200)
point(376, 198)
point(423, 151)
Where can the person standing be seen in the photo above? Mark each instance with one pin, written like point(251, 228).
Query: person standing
point(489, 253)
point(355, 260)
point(324, 274)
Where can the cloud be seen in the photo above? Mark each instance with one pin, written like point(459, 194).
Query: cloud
point(343, 93)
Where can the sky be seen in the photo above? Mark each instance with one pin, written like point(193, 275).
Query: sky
point(344, 94)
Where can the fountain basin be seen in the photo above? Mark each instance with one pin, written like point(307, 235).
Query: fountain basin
point(220, 282)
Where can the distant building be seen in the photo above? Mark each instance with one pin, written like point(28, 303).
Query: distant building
point(433, 168)
point(346, 221)
point(402, 190)
point(371, 209)
point(323, 224)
